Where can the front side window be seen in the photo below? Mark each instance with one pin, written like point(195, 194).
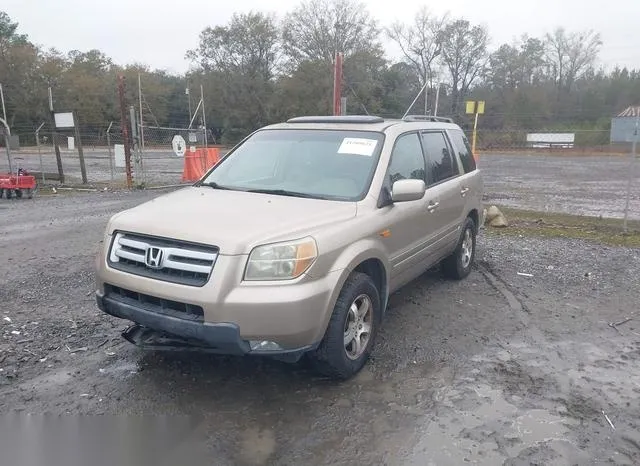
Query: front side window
point(407, 161)
point(323, 164)
point(441, 164)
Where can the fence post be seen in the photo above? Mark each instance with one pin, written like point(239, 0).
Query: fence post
point(630, 180)
point(83, 168)
point(40, 153)
point(54, 138)
point(125, 130)
point(7, 140)
point(109, 150)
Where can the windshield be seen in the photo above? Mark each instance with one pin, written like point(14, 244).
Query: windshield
point(323, 164)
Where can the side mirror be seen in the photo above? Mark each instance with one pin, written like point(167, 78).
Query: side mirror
point(408, 190)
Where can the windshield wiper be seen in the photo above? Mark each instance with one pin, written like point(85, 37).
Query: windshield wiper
point(284, 192)
point(214, 185)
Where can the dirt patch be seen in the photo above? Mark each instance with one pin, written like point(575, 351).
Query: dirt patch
point(551, 225)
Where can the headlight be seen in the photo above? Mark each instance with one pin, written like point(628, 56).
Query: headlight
point(281, 261)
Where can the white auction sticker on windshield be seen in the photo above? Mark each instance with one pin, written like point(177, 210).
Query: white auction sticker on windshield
point(358, 146)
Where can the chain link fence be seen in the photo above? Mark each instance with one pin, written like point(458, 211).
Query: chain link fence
point(155, 153)
point(154, 160)
point(558, 141)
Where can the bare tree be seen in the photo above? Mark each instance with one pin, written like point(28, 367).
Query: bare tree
point(420, 43)
point(570, 55)
point(317, 29)
point(464, 54)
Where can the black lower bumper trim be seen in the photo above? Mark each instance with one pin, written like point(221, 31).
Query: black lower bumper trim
point(222, 337)
point(164, 332)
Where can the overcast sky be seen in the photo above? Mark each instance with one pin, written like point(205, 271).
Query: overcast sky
point(159, 32)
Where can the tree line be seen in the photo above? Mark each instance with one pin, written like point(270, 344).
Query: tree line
point(259, 68)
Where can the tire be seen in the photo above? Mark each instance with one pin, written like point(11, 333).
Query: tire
point(334, 358)
point(19, 193)
point(458, 265)
point(8, 193)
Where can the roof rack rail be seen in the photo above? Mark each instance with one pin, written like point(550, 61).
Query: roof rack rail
point(354, 119)
point(428, 118)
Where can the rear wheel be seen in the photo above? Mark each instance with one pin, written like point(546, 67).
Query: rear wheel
point(458, 265)
point(351, 331)
point(8, 193)
point(19, 193)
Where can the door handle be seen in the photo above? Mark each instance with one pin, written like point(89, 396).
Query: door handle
point(433, 206)
point(464, 191)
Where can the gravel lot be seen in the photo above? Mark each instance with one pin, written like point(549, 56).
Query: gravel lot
point(499, 369)
point(579, 185)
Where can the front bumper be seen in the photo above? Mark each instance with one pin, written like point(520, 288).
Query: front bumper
point(183, 334)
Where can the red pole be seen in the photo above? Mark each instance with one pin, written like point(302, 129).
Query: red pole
point(337, 84)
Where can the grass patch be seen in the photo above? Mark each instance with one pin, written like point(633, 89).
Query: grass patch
point(554, 225)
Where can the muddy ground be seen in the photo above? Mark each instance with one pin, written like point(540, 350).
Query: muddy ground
point(499, 369)
point(584, 185)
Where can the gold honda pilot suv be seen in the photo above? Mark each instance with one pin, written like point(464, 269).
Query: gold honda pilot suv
point(293, 242)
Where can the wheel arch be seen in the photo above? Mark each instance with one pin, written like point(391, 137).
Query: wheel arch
point(475, 216)
point(375, 269)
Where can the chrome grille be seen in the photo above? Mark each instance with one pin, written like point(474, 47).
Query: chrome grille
point(162, 259)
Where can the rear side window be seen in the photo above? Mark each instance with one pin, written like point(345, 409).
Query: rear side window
point(407, 161)
point(463, 149)
point(441, 165)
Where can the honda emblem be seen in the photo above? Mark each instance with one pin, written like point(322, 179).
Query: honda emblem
point(153, 258)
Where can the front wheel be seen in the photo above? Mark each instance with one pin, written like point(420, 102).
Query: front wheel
point(349, 337)
point(458, 265)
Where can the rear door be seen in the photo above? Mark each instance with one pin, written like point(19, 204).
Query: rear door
point(471, 184)
point(443, 175)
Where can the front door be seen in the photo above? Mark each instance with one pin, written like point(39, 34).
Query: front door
point(443, 175)
point(408, 222)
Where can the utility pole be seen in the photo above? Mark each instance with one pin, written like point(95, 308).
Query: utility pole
point(124, 126)
point(54, 139)
point(204, 117)
point(337, 84)
point(426, 96)
point(186, 91)
point(435, 107)
point(83, 168)
point(634, 152)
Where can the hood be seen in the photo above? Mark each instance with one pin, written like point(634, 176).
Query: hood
point(234, 221)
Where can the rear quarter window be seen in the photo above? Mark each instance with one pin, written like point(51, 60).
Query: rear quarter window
point(462, 147)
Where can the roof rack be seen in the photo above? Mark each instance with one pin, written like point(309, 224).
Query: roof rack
point(428, 118)
point(354, 119)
